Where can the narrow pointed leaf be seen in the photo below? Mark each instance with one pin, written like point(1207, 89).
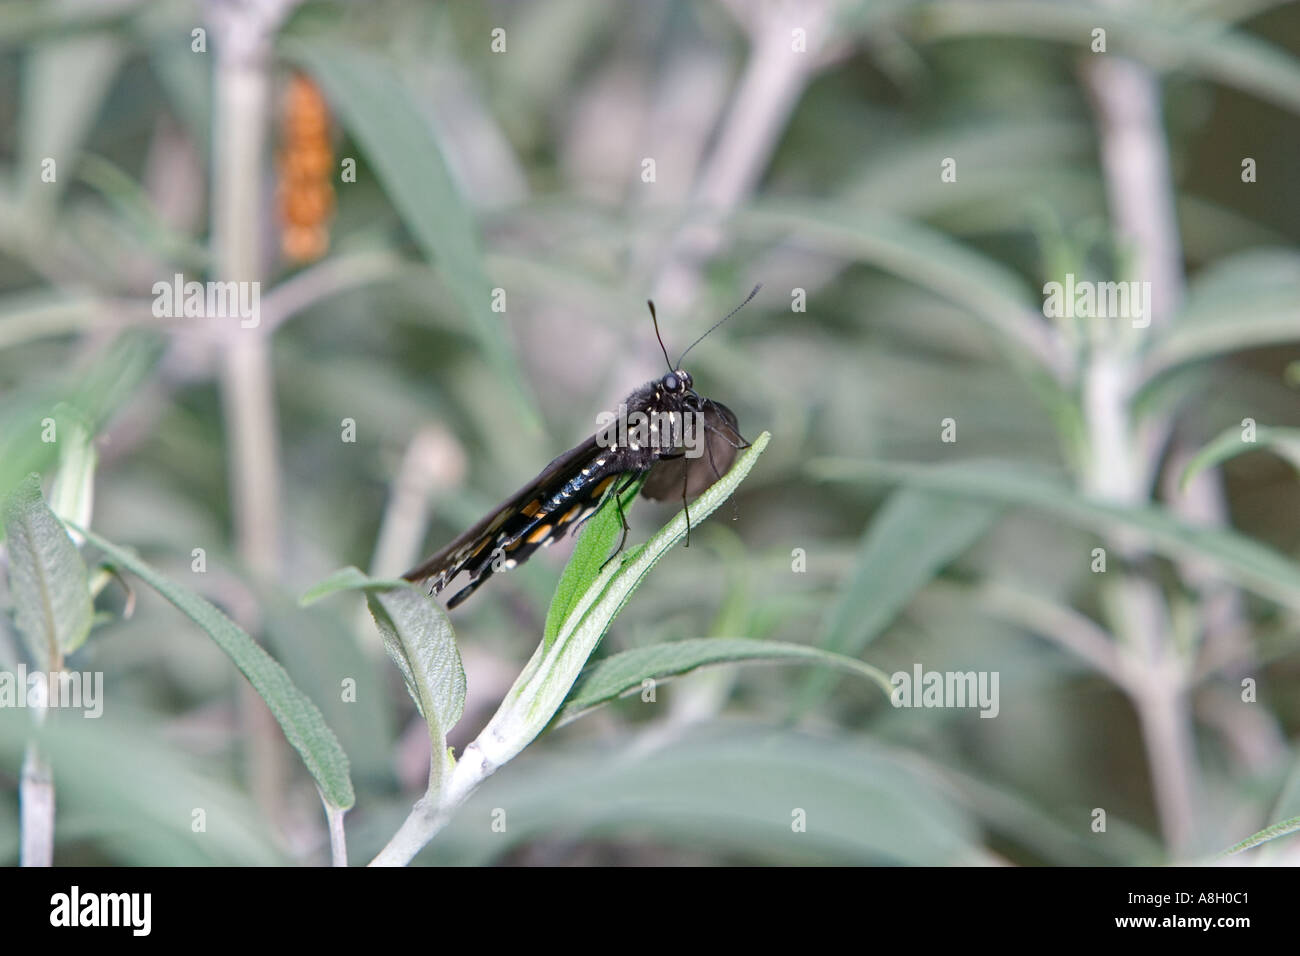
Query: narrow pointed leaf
point(550, 674)
point(1229, 444)
point(299, 718)
point(614, 676)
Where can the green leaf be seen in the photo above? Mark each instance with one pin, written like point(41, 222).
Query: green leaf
point(614, 676)
point(319, 647)
point(1198, 45)
point(1249, 563)
point(546, 680)
point(421, 642)
point(347, 579)
point(1250, 324)
point(138, 217)
point(126, 786)
point(64, 85)
point(1264, 836)
point(47, 578)
point(402, 147)
point(730, 787)
point(29, 418)
point(33, 315)
point(72, 495)
point(1249, 300)
point(589, 556)
point(1003, 159)
point(301, 720)
point(1229, 444)
point(911, 538)
point(992, 292)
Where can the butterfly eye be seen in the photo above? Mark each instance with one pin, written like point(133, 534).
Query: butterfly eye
point(670, 382)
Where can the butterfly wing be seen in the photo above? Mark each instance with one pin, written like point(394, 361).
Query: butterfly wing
point(573, 486)
point(566, 493)
point(722, 439)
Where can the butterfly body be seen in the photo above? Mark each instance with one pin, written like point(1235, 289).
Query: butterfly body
point(664, 431)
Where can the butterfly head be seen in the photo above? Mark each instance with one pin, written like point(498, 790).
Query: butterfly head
point(677, 383)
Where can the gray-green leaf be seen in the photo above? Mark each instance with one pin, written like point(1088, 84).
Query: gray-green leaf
point(346, 579)
point(910, 540)
point(299, 718)
point(1242, 559)
point(420, 641)
point(1229, 444)
point(548, 677)
point(614, 676)
point(48, 579)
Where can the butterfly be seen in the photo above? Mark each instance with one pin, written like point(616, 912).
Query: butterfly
point(665, 434)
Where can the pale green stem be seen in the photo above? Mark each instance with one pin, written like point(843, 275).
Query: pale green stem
point(242, 35)
point(1135, 161)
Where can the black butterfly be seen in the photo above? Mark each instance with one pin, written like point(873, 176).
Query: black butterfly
point(578, 483)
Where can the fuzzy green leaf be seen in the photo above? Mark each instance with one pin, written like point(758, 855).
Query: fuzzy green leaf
point(589, 556)
point(547, 679)
point(1244, 560)
point(420, 641)
point(911, 539)
point(48, 579)
point(346, 579)
point(299, 718)
point(614, 676)
point(1265, 835)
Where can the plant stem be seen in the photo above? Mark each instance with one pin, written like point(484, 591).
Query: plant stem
point(36, 798)
point(338, 836)
point(449, 787)
point(242, 41)
point(1135, 161)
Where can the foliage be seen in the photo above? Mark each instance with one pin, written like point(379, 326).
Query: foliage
point(956, 480)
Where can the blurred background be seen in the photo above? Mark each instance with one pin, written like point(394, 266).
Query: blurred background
point(456, 212)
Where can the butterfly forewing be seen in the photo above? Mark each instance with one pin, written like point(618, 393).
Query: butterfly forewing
point(575, 485)
point(566, 493)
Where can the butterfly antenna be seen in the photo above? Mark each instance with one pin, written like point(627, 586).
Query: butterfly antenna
point(655, 319)
point(752, 292)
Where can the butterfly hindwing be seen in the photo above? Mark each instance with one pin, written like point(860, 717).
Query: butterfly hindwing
point(689, 476)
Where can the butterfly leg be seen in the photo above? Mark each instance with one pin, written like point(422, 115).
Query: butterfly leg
point(713, 463)
point(618, 503)
point(743, 441)
point(685, 507)
point(735, 508)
